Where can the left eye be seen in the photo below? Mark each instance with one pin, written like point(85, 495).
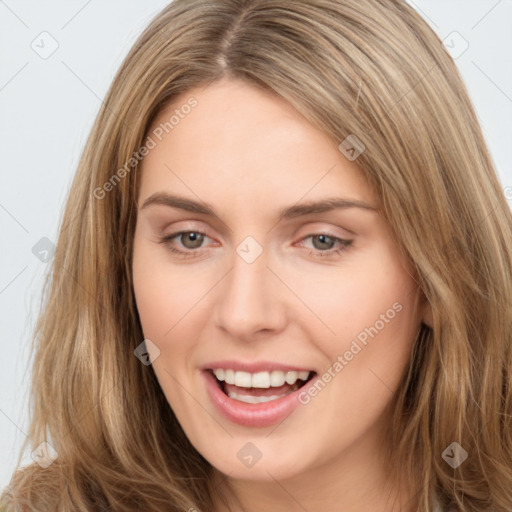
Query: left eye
point(342, 244)
point(322, 238)
point(194, 239)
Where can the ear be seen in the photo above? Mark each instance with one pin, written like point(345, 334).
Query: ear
point(426, 312)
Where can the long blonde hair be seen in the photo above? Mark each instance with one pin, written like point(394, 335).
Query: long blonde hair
point(371, 68)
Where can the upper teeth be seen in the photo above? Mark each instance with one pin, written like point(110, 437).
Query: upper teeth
point(259, 380)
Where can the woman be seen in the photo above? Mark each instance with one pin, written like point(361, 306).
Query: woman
point(201, 349)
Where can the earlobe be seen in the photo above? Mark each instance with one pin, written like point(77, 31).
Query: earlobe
point(427, 316)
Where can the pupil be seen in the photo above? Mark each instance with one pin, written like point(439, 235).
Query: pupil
point(322, 238)
point(194, 237)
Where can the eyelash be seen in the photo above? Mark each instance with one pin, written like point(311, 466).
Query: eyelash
point(312, 252)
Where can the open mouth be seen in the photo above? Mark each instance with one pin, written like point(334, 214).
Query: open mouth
point(260, 387)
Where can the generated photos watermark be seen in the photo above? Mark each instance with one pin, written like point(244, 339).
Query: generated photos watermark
point(305, 396)
point(151, 142)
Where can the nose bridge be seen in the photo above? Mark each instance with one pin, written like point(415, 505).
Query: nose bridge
point(249, 296)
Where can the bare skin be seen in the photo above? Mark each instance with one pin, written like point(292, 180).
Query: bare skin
point(249, 154)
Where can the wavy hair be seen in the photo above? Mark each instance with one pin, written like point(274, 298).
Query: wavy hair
point(372, 68)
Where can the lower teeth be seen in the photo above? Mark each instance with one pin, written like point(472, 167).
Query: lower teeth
point(249, 399)
point(252, 399)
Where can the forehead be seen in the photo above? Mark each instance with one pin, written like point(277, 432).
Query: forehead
point(243, 144)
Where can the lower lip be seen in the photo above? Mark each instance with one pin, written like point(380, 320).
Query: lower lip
point(251, 415)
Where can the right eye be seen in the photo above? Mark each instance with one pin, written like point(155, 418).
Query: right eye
point(195, 241)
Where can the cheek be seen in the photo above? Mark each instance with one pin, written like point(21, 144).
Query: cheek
point(369, 310)
point(375, 290)
point(163, 293)
point(152, 288)
point(172, 303)
point(379, 300)
point(155, 296)
point(376, 333)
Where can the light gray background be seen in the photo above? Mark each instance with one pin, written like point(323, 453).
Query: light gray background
point(47, 107)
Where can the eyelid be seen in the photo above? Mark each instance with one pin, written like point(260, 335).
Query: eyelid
point(313, 229)
point(317, 228)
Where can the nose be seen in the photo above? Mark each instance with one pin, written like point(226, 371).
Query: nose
point(250, 300)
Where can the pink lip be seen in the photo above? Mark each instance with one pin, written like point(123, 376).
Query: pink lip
point(253, 366)
point(250, 415)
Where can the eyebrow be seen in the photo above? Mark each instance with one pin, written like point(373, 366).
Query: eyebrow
point(291, 212)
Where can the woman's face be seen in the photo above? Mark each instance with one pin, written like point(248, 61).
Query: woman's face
point(262, 291)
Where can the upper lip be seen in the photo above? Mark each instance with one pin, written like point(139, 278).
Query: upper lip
point(255, 366)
